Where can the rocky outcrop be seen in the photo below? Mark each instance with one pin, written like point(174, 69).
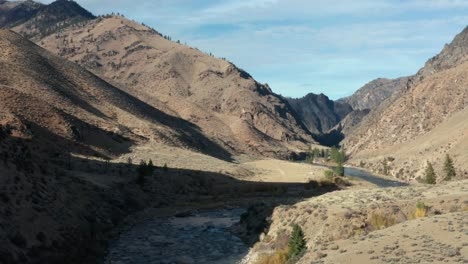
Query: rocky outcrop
point(318, 113)
point(351, 121)
point(371, 95)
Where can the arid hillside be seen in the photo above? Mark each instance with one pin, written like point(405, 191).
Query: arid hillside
point(433, 107)
point(414, 224)
point(224, 101)
point(42, 92)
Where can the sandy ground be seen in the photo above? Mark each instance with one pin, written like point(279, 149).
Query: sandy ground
point(271, 170)
point(246, 168)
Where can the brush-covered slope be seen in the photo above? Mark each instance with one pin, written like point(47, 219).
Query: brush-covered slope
point(46, 19)
point(374, 93)
point(318, 112)
point(429, 116)
point(224, 101)
point(41, 90)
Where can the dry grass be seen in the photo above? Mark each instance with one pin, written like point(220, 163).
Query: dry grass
point(421, 211)
point(279, 257)
point(380, 221)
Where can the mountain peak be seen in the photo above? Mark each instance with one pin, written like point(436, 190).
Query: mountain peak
point(47, 19)
point(452, 54)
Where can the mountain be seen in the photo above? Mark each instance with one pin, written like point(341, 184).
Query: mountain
point(43, 20)
point(375, 92)
point(13, 13)
point(424, 122)
point(42, 91)
point(223, 100)
point(60, 127)
point(318, 113)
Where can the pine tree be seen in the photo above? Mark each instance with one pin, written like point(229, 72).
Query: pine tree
point(141, 171)
point(296, 243)
point(430, 174)
point(150, 167)
point(448, 168)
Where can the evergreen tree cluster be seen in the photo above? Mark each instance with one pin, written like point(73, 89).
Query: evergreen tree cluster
point(144, 169)
point(449, 171)
point(317, 153)
point(339, 157)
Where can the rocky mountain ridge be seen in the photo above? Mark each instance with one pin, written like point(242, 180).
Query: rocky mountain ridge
point(224, 101)
point(374, 93)
point(435, 97)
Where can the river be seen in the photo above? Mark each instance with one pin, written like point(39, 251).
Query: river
point(367, 176)
point(201, 237)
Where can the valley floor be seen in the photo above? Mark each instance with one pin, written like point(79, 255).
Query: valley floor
point(360, 224)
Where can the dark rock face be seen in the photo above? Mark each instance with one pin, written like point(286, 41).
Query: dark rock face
point(318, 113)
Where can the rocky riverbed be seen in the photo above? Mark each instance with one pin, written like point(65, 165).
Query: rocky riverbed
point(200, 237)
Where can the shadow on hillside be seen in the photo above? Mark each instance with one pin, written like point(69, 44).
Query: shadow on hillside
point(168, 187)
point(87, 198)
point(189, 132)
point(329, 139)
point(90, 140)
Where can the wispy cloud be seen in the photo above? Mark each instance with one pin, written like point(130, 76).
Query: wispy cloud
point(332, 46)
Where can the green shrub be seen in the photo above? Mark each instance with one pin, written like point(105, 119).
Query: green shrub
point(328, 175)
point(339, 170)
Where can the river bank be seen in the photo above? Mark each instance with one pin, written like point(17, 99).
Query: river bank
point(205, 225)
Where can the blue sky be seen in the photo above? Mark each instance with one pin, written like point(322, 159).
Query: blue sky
point(302, 46)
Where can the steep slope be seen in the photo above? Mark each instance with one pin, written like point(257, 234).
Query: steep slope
point(351, 121)
point(41, 90)
point(318, 112)
point(434, 97)
point(50, 18)
point(224, 101)
point(375, 92)
point(60, 127)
